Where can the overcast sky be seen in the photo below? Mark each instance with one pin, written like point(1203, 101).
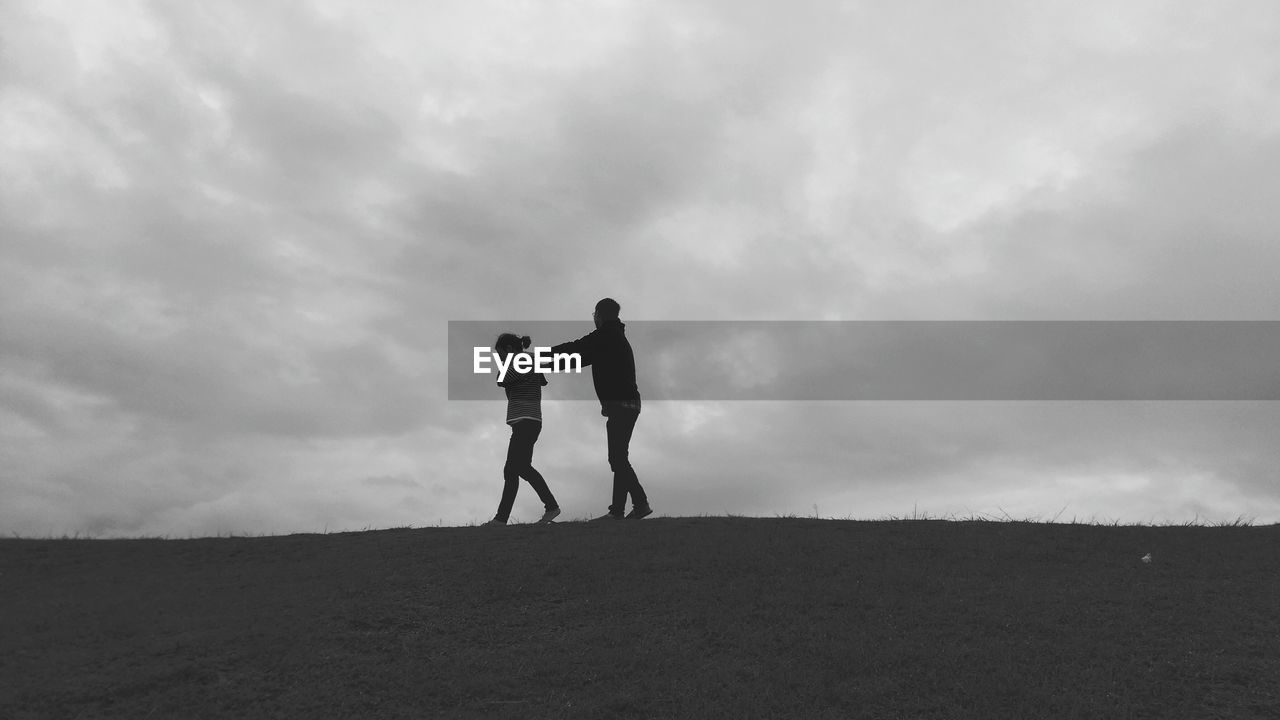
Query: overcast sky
point(232, 236)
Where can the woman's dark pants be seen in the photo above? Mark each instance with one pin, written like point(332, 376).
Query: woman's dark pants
point(524, 433)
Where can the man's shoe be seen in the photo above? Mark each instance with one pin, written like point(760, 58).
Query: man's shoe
point(493, 523)
point(549, 515)
point(639, 511)
point(607, 517)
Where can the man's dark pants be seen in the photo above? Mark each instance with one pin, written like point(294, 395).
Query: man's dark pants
point(619, 427)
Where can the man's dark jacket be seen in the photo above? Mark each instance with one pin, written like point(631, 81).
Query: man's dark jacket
point(613, 365)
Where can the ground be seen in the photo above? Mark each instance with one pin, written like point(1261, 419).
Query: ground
point(660, 618)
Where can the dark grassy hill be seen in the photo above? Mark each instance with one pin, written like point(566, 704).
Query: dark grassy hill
point(667, 617)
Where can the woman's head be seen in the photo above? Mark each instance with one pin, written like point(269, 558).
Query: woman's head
point(508, 343)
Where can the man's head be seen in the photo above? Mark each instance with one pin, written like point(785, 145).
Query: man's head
point(606, 310)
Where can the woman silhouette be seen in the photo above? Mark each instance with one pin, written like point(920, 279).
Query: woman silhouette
point(524, 415)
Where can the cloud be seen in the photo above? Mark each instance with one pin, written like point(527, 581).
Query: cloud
point(1180, 234)
point(232, 237)
point(968, 458)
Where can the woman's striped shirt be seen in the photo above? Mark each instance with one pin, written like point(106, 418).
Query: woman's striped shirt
point(524, 395)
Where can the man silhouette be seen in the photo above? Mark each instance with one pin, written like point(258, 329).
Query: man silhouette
point(613, 372)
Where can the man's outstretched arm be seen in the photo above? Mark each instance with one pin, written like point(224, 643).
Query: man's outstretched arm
point(584, 347)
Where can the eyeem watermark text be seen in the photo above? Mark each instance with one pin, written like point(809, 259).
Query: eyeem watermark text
point(915, 360)
point(542, 361)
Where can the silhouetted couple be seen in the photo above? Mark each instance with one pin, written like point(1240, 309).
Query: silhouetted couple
point(613, 372)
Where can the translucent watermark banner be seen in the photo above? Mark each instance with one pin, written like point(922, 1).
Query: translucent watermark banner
point(902, 360)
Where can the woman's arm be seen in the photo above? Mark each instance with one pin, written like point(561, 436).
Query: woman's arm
point(514, 377)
